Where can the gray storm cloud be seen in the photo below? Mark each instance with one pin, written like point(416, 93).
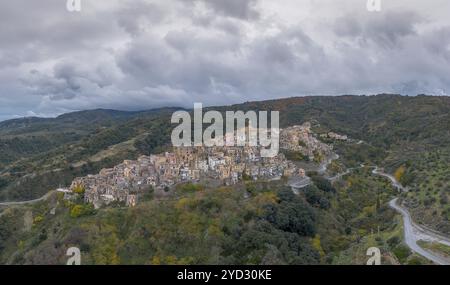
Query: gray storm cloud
point(144, 54)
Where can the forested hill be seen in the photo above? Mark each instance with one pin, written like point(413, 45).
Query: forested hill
point(40, 154)
point(383, 120)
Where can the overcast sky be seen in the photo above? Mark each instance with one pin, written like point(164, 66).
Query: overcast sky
point(139, 54)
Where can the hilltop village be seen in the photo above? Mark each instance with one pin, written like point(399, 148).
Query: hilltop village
point(229, 165)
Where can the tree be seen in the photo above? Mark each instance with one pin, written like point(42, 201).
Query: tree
point(323, 184)
point(79, 189)
point(316, 198)
point(81, 210)
point(295, 218)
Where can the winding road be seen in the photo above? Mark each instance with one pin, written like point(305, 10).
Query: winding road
point(394, 181)
point(413, 232)
point(26, 202)
point(298, 183)
point(323, 166)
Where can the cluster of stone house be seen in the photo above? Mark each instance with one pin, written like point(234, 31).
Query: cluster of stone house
point(335, 136)
point(192, 164)
point(300, 138)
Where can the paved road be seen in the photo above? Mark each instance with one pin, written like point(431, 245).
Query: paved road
point(323, 166)
point(394, 181)
point(413, 233)
point(340, 175)
point(26, 202)
point(298, 183)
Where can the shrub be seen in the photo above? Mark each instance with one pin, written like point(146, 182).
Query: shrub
point(79, 189)
point(38, 219)
point(295, 156)
point(393, 241)
point(323, 184)
point(415, 261)
point(316, 197)
point(402, 252)
point(191, 187)
point(148, 194)
point(81, 210)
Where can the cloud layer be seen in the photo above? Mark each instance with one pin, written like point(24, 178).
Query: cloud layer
point(139, 54)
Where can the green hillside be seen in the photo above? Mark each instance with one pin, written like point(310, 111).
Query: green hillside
point(45, 153)
point(252, 223)
point(411, 133)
